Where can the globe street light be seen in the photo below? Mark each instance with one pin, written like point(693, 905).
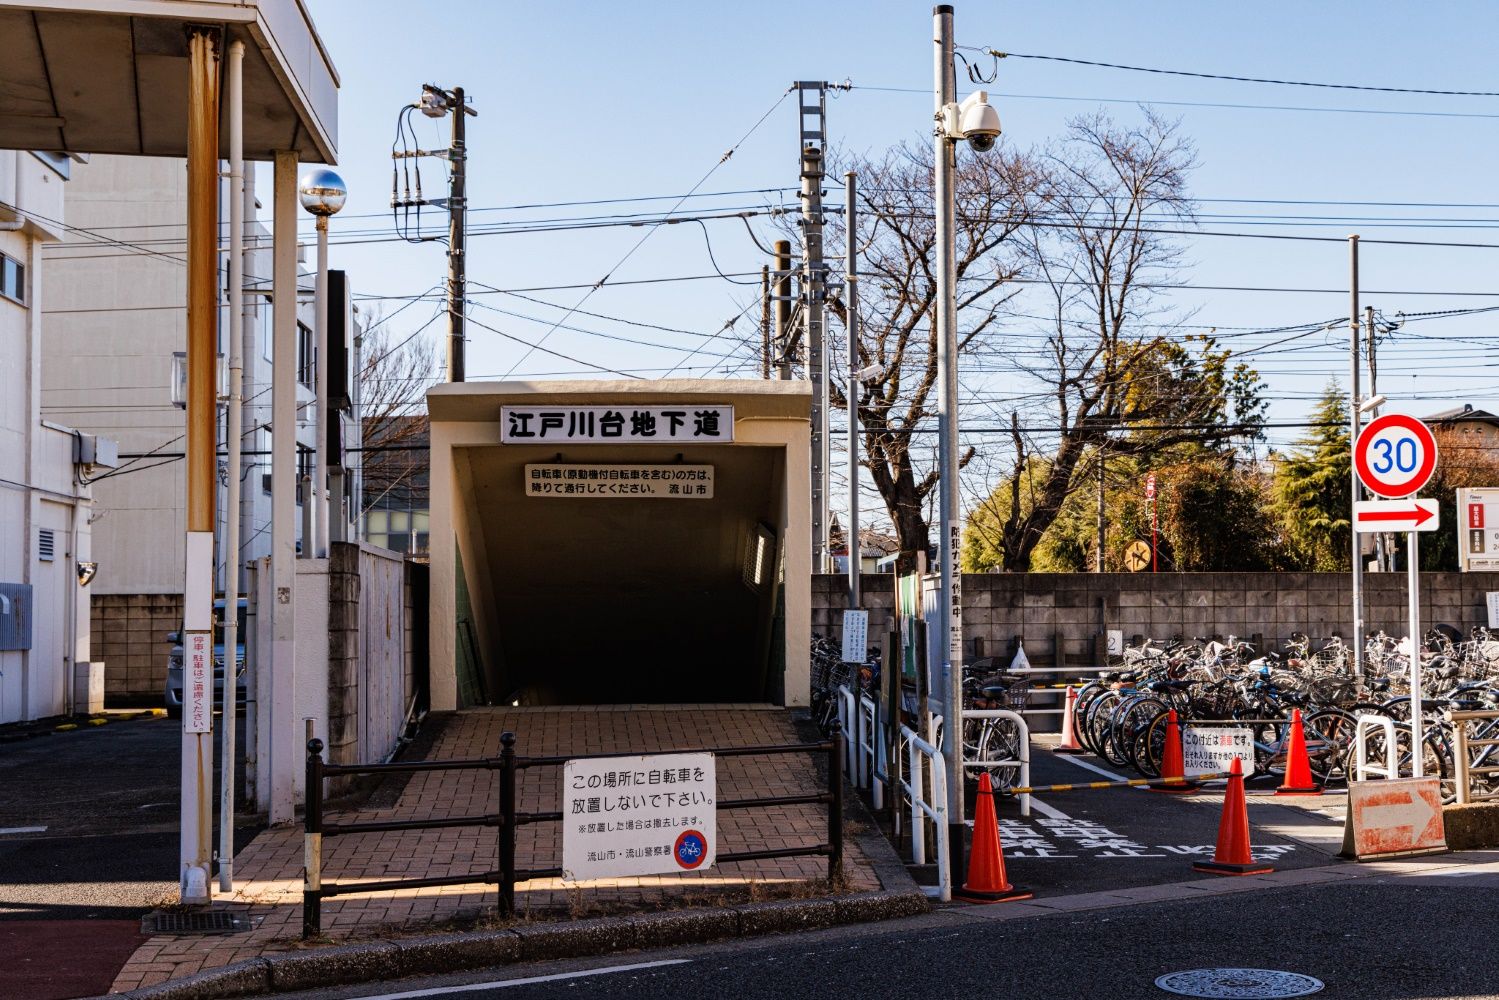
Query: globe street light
point(322, 193)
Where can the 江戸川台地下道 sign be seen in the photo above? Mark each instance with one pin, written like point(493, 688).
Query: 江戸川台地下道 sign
point(617, 424)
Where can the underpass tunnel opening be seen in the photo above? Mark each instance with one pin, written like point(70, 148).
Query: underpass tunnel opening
point(621, 599)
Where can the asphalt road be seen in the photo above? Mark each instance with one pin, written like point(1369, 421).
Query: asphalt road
point(1389, 938)
point(88, 843)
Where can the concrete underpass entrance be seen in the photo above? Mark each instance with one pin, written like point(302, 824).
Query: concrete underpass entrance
point(620, 543)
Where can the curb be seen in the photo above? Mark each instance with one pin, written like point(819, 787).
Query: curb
point(70, 723)
point(384, 960)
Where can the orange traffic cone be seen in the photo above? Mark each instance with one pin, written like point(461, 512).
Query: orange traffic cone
point(986, 882)
point(1232, 856)
point(1173, 763)
point(1298, 780)
point(1069, 742)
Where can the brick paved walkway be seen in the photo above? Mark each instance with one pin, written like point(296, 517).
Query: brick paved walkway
point(269, 871)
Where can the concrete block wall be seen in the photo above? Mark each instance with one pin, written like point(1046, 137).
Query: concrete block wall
point(128, 632)
point(343, 655)
point(1078, 606)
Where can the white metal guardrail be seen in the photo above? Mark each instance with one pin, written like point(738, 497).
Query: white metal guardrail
point(858, 715)
point(1023, 740)
point(924, 808)
point(1361, 764)
point(1465, 767)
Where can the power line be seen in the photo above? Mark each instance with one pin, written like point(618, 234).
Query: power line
point(1242, 79)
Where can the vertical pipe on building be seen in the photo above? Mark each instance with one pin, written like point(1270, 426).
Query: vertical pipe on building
point(201, 444)
point(233, 439)
point(281, 737)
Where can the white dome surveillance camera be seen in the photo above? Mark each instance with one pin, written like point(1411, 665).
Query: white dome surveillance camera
point(978, 122)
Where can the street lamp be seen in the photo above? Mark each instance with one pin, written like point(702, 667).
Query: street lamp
point(322, 193)
point(975, 121)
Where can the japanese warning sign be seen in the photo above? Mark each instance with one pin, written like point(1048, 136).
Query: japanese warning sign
point(1212, 749)
point(674, 482)
point(197, 687)
point(648, 815)
point(616, 424)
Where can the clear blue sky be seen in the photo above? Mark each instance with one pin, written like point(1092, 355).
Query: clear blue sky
point(584, 101)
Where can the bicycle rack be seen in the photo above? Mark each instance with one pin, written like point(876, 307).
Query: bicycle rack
point(1024, 762)
point(935, 810)
point(859, 717)
point(1462, 766)
point(1362, 766)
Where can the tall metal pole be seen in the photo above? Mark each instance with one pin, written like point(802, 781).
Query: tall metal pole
point(950, 615)
point(201, 448)
point(814, 289)
point(1102, 522)
point(457, 209)
point(1413, 602)
point(230, 554)
point(782, 296)
point(317, 498)
point(851, 283)
point(1354, 324)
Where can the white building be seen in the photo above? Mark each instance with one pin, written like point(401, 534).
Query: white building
point(116, 288)
point(44, 468)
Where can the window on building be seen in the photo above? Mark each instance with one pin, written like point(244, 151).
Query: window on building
point(306, 356)
point(12, 279)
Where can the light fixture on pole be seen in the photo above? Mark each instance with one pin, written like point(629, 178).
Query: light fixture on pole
point(975, 121)
point(322, 193)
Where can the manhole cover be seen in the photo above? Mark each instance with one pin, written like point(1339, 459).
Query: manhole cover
point(1238, 983)
point(194, 922)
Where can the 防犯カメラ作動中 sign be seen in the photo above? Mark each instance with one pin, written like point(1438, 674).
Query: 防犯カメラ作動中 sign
point(647, 815)
point(673, 482)
point(616, 424)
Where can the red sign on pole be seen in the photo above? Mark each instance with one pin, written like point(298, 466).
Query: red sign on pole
point(1475, 515)
point(1395, 455)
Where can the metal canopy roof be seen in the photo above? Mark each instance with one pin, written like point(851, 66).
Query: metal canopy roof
point(110, 76)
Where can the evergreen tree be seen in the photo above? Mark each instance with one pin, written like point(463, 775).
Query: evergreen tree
point(1313, 496)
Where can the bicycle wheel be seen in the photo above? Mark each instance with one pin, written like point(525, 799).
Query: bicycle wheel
point(1150, 746)
point(999, 752)
point(1329, 734)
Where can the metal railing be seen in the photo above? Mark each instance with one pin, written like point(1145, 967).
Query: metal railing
point(922, 808)
point(1362, 767)
point(508, 819)
point(1464, 767)
point(1023, 741)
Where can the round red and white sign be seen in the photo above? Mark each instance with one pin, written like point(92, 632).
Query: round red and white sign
point(1395, 455)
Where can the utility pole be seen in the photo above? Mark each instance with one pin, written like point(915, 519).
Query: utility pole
point(765, 321)
point(950, 616)
point(1354, 324)
point(851, 394)
point(457, 210)
point(1102, 522)
point(1384, 542)
point(814, 292)
point(782, 296)
point(437, 103)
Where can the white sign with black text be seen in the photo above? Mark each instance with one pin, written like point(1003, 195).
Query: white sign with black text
point(197, 682)
point(685, 423)
point(855, 636)
point(671, 482)
point(1478, 529)
point(1212, 749)
point(647, 815)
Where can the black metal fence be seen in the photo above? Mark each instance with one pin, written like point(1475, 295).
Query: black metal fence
point(507, 821)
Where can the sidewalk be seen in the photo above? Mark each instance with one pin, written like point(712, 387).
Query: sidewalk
point(269, 871)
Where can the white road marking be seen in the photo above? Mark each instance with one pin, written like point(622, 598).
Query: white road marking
point(21, 829)
point(1050, 812)
point(438, 991)
point(1091, 767)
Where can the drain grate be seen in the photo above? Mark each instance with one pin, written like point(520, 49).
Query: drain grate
point(1257, 983)
point(194, 922)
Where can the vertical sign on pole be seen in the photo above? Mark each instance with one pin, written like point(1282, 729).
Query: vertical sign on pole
point(1394, 456)
point(1150, 499)
point(197, 687)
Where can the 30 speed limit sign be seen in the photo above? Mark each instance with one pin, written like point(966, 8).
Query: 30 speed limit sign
point(1395, 455)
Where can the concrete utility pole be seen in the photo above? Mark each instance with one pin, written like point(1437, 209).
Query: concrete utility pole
point(851, 304)
point(204, 44)
point(782, 297)
point(950, 615)
point(814, 293)
point(1103, 526)
point(1353, 422)
point(457, 211)
point(765, 321)
point(1384, 548)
